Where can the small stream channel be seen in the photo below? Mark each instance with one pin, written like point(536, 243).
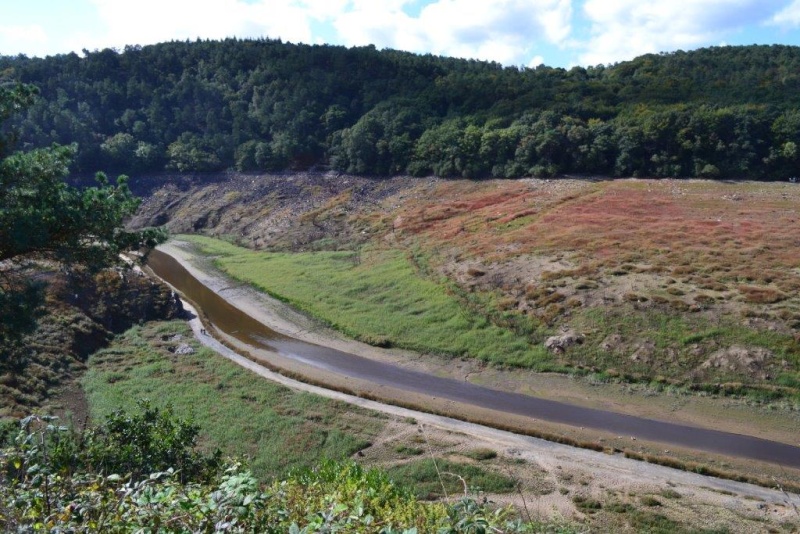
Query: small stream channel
point(246, 329)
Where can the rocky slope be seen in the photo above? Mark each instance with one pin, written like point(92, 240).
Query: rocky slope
point(82, 313)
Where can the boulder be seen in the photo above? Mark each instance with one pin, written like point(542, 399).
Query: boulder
point(559, 344)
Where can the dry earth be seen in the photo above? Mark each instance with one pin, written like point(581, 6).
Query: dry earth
point(553, 479)
point(604, 258)
point(717, 257)
point(559, 254)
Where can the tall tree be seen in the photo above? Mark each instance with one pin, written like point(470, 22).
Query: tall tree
point(42, 218)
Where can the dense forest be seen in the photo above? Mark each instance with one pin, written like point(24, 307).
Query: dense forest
point(265, 105)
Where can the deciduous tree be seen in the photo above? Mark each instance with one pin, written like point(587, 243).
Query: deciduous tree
point(42, 218)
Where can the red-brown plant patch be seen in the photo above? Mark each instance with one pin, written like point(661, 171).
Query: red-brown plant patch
point(761, 295)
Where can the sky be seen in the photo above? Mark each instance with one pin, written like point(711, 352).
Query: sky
point(557, 33)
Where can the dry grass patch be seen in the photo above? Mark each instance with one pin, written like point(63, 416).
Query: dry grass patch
point(761, 295)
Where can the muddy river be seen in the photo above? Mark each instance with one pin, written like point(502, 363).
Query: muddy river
point(236, 323)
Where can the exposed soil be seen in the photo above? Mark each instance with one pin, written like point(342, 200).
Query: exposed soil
point(70, 404)
point(81, 313)
point(554, 480)
point(717, 259)
point(727, 415)
point(282, 212)
point(720, 259)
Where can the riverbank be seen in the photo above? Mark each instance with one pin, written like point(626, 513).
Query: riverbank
point(290, 322)
point(668, 284)
point(577, 474)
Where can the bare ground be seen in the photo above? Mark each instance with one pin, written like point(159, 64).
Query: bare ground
point(725, 414)
point(556, 254)
point(554, 478)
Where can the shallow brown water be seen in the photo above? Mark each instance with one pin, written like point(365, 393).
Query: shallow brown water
point(246, 329)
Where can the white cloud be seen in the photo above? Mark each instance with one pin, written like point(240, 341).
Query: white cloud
point(383, 24)
point(323, 9)
point(788, 17)
point(511, 32)
point(623, 29)
point(151, 21)
point(535, 62)
point(504, 30)
point(31, 38)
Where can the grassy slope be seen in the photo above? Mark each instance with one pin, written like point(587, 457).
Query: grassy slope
point(682, 282)
point(277, 428)
point(239, 412)
point(380, 299)
point(690, 267)
point(423, 476)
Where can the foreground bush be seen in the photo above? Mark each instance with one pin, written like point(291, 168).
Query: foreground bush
point(40, 490)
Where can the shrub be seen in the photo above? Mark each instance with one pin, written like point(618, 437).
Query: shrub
point(146, 441)
point(587, 505)
point(649, 500)
point(761, 295)
point(41, 491)
point(481, 454)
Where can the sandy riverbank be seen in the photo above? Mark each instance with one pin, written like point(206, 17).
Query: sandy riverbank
point(721, 414)
point(592, 472)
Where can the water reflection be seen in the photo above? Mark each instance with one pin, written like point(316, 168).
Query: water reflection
point(238, 324)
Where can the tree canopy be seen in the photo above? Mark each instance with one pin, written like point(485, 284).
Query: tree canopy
point(264, 105)
point(42, 218)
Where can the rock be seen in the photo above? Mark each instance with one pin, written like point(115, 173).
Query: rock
point(644, 351)
point(559, 344)
point(611, 343)
point(737, 359)
point(184, 349)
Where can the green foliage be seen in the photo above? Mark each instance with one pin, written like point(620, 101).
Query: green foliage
point(587, 505)
point(150, 440)
point(43, 218)
point(133, 445)
point(191, 154)
point(436, 479)
point(267, 105)
point(20, 309)
point(380, 142)
point(13, 100)
point(37, 494)
point(54, 475)
point(381, 300)
point(277, 429)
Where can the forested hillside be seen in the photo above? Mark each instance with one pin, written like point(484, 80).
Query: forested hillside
point(264, 105)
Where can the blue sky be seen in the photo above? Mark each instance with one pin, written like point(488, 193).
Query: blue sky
point(559, 33)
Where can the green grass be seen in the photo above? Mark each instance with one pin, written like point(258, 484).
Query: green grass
point(239, 412)
point(392, 298)
point(481, 454)
point(406, 450)
point(673, 333)
point(421, 475)
point(379, 298)
point(587, 505)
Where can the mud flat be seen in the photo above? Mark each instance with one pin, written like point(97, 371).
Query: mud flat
point(555, 478)
point(286, 321)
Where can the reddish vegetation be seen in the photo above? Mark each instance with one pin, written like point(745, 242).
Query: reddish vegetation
point(726, 232)
point(657, 275)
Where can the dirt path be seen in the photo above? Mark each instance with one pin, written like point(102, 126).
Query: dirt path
point(550, 457)
point(575, 471)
